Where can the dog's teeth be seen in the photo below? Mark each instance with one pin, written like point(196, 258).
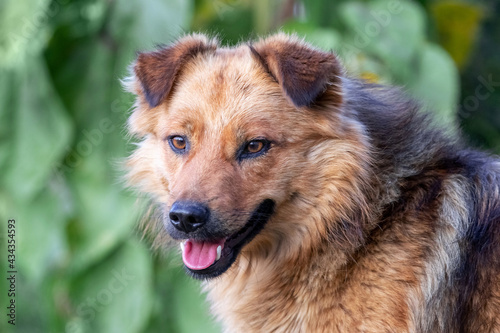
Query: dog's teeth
point(219, 251)
point(182, 246)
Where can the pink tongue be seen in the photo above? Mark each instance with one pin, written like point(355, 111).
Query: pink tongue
point(200, 255)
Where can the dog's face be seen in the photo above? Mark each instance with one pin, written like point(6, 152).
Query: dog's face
point(227, 137)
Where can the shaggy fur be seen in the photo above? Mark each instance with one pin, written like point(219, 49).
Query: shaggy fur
point(379, 222)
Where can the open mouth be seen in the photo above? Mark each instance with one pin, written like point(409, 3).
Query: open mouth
point(210, 258)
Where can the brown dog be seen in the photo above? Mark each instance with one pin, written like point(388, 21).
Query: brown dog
point(320, 203)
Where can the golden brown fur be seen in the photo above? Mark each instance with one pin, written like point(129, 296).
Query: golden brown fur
point(381, 224)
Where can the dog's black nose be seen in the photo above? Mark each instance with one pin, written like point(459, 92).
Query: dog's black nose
point(188, 216)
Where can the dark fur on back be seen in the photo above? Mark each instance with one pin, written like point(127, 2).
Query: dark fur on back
point(417, 156)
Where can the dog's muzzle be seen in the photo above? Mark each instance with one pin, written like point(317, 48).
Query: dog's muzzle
point(209, 257)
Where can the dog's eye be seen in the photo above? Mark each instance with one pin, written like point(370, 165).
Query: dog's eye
point(255, 148)
point(177, 143)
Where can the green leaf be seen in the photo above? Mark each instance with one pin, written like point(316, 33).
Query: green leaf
point(7, 102)
point(392, 31)
point(105, 213)
point(181, 306)
point(42, 317)
point(40, 230)
point(116, 294)
point(190, 300)
point(142, 24)
point(326, 39)
point(40, 132)
point(436, 83)
point(321, 13)
point(23, 30)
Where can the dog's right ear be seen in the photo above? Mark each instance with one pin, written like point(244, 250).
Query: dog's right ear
point(157, 70)
point(303, 72)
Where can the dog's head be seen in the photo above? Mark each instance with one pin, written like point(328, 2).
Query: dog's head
point(230, 138)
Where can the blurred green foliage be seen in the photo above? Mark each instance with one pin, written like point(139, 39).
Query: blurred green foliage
point(82, 267)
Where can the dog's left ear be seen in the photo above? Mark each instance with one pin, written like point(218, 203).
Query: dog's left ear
point(302, 71)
